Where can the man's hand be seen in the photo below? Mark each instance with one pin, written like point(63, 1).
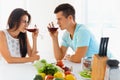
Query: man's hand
point(67, 57)
point(54, 35)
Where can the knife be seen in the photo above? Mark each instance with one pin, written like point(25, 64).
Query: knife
point(101, 47)
point(106, 44)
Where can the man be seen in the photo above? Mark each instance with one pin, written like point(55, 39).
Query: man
point(76, 36)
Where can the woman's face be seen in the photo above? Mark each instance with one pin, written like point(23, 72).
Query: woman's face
point(23, 24)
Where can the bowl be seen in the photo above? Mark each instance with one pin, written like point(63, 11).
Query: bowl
point(52, 29)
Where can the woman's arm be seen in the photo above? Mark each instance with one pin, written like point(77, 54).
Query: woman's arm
point(6, 54)
point(32, 51)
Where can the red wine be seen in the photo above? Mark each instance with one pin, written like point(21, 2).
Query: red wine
point(31, 30)
point(52, 29)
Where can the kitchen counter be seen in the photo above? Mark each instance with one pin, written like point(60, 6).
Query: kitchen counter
point(26, 71)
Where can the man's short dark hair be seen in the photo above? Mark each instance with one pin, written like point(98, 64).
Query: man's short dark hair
point(67, 10)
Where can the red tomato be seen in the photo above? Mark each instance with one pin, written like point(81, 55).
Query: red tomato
point(65, 68)
point(60, 63)
point(67, 72)
point(49, 77)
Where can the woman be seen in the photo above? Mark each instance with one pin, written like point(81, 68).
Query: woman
point(14, 43)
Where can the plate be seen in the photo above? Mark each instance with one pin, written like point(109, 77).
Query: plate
point(83, 78)
point(85, 74)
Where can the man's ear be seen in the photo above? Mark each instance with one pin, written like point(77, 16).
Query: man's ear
point(70, 17)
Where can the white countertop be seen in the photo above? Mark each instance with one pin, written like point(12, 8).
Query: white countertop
point(27, 71)
point(17, 72)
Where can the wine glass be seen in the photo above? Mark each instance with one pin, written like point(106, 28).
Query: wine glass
point(52, 28)
point(32, 28)
point(86, 63)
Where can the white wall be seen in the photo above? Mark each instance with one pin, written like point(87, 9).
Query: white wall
point(42, 12)
point(6, 7)
point(98, 15)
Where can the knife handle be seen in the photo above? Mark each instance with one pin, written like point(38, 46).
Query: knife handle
point(106, 44)
point(101, 47)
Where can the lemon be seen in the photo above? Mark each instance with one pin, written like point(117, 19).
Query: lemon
point(43, 75)
point(59, 75)
point(70, 77)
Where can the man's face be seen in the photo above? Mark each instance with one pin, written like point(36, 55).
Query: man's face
point(62, 21)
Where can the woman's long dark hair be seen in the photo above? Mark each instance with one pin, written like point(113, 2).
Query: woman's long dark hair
point(14, 21)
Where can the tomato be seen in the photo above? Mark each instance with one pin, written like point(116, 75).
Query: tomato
point(66, 68)
point(49, 77)
point(68, 72)
point(60, 63)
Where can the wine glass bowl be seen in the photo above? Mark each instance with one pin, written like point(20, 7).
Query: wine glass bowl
point(86, 63)
point(52, 29)
point(32, 28)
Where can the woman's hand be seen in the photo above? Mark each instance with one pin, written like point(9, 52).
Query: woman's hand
point(35, 34)
point(36, 57)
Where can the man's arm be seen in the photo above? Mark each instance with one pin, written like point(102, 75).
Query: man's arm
point(79, 53)
point(59, 52)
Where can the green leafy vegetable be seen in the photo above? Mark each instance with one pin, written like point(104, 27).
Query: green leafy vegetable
point(43, 61)
point(86, 73)
point(39, 64)
point(43, 67)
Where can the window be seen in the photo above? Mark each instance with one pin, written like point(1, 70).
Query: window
point(103, 18)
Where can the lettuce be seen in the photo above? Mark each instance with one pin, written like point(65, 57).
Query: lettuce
point(86, 73)
point(43, 67)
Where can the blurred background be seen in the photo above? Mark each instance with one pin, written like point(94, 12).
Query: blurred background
point(102, 17)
